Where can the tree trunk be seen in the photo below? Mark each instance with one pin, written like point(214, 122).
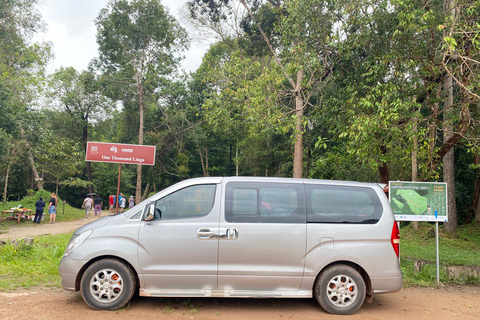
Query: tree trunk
point(206, 159)
point(448, 159)
point(36, 177)
point(138, 190)
point(298, 153)
point(89, 167)
point(236, 160)
point(89, 176)
point(383, 168)
point(6, 183)
point(477, 209)
point(202, 162)
point(474, 210)
point(146, 192)
point(415, 160)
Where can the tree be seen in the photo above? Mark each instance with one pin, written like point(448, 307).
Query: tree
point(80, 96)
point(461, 64)
point(139, 44)
point(246, 107)
point(301, 56)
point(21, 69)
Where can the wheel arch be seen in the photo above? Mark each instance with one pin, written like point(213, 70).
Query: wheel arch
point(358, 268)
point(81, 272)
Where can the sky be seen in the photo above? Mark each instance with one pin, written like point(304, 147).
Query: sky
point(71, 29)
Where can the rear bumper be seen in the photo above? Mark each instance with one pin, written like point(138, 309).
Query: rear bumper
point(387, 284)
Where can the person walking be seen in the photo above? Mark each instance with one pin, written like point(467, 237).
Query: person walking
point(52, 207)
point(98, 205)
point(87, 205)
point(131, 202)
point(40, 205)
point(111, 203)
point(122, 202)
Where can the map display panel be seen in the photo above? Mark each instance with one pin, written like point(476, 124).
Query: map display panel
point(419, 201)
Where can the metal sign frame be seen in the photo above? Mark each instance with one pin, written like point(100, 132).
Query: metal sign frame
point(422, 200)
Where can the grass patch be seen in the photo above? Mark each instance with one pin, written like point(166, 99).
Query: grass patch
point(462, 249)
point(65, 212)
point(25, 266)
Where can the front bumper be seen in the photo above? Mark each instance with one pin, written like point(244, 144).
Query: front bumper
point(70, 270)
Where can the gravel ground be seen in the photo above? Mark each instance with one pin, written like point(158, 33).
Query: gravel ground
point(32, 229)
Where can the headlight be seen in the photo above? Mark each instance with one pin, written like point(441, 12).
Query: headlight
point(76, 241)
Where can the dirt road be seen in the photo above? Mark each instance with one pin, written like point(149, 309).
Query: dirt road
point(459, 302)
point(30, 229)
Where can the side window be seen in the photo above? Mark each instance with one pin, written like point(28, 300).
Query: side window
point(264, 203)
point(136, 215)
point(191, 202)
point(342, 204)
point(245, 202)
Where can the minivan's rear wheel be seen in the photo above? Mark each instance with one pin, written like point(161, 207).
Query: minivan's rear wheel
point(107, 284)
point(340, 289)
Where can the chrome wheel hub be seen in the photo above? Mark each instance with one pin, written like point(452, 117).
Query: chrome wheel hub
point(342, 291)
point(106, 285)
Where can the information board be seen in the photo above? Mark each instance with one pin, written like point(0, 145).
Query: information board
point(419, 201)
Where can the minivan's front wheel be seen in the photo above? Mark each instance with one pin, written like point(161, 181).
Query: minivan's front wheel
point(340, 289)
point(107, 284)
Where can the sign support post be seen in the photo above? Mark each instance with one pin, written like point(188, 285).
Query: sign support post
point(438, 254)
point(117, 203)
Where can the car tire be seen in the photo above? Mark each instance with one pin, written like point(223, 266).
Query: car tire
point(107, 284)
point(340, 289)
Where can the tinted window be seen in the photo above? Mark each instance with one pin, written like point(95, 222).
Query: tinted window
point(245, 202)
point(342, 204)
point(264, 203)
point(194, 201)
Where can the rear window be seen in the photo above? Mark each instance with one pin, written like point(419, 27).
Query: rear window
point(342, 204)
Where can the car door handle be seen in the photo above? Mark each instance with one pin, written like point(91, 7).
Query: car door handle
point(206, 233)
point(228, 234)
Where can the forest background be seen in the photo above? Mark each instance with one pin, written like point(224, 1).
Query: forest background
point(364, 90)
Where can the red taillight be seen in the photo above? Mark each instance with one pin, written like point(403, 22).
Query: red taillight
point(396, 239)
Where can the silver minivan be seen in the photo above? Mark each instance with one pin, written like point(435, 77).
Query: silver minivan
point(242, 237)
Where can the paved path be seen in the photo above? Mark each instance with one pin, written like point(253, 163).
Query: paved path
point(32, 229)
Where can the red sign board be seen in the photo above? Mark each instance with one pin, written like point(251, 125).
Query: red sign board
point(120, 153)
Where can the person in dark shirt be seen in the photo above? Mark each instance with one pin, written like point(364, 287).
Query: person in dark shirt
point(39, 212)
point(98, 205)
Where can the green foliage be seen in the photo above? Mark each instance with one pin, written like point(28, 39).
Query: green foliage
point(77, 182)
point(26, 266)
point(336, 164)
point(29, 201)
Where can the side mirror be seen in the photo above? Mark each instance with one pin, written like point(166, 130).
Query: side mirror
point(150, 212)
